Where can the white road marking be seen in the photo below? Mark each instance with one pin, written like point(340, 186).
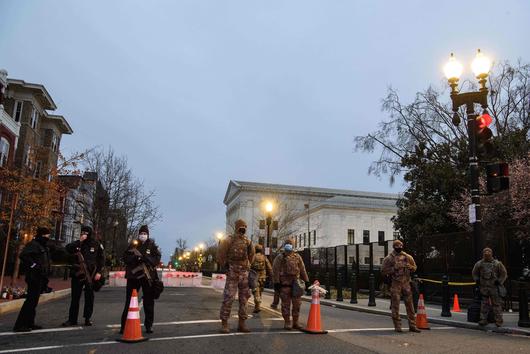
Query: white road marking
point(37, 331)
point(198, 336)
point(190, 322)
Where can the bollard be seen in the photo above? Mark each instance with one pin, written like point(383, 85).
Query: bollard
point(524, 321)
point(328, 288)
point(371, 285)
point(339, 286)
point(446, 311)
point(473, 310)
point(353, 299)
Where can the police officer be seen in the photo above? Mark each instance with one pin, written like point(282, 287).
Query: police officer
point(92, 252)
point(238, 252)
point(287, 267)
point(142, 251)
point(489, 274)
point(263, 267)
point(397, 266)
point(36, 262)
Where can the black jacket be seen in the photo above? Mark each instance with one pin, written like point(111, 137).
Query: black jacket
point(35, 259)
point(149, 255)
point(92, 252)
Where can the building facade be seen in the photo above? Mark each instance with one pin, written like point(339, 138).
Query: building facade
point(314, 217)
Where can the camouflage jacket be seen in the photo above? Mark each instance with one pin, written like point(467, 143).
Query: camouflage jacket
point(488, 272)
point(399, 266)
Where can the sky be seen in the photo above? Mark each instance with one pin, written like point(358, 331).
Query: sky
point(196, 93)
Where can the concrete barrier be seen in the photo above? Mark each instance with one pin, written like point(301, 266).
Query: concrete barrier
point(181, 279)
point(117, 278)
point(218, 281)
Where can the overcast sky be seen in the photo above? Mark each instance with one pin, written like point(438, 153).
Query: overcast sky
point(196, 93)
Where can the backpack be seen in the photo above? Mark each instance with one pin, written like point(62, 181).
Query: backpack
point(290, 265)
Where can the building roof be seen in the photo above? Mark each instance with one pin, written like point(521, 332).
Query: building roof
point(40, 90)
point(61, 122)
point(362, 197)
point(356, 202)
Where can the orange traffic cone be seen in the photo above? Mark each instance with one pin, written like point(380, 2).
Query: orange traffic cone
point(421, 316)
point(456, 305)
point(133, 330)
point(314, 325)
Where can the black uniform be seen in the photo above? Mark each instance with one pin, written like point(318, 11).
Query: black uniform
point(134, 272)
point(92, 252)
point(36, 263)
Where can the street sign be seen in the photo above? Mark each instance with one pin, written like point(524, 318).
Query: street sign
point(472, 214)
point(267, 251)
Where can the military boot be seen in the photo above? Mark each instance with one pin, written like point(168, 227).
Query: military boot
point(287, 324)
point(397, 326)
point(414, 329)
point(224, 326)
point(483, 322)
point(242, 327)
point(257, 308)
point(295, 323)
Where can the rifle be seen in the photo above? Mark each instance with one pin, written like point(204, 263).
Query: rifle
point(84, 270)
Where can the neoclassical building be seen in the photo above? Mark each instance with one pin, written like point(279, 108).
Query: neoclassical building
point(314, 217)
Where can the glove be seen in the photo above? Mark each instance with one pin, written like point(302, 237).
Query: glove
point(277, 286)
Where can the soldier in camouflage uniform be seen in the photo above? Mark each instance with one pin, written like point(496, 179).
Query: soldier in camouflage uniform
point(397, 266)
point(489, 274)
point(287, 267)
point(263, 267)
point(236, 251)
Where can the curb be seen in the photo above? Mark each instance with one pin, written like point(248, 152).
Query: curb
point(467, 325)
point(15, 305)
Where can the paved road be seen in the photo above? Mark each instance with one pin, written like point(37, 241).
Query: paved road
point(186, 322)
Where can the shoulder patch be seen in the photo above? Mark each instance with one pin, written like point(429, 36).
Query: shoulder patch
point(101, 246)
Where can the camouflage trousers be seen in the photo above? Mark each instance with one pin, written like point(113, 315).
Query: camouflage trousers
point(258, 291)
point(236, 282)
point(397, 290)
point(286, 294)
point(490, 293)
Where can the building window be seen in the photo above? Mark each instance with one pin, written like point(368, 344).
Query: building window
point(366, 237)
point(38, 168)
point(4, 151)
point(381, 237)
point(55, 142)
point(366, 260)
point(300, 240)
point(314, 237)
point(381, 260)
point(351, 260)
point(34, 118)
point(351, 236)
point(27, 157)
point(17, 111)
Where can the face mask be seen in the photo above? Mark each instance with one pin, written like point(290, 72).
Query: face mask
point(398, 250)
point(242, 230)
point(288, 247)
point(142, 237)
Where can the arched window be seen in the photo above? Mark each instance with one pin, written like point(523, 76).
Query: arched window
point(4, 151)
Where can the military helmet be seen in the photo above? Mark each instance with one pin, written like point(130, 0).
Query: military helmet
point(258, 247)
point(397, 244)
point(240, 223)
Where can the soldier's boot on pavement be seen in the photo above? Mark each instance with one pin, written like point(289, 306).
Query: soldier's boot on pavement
point(287, 324)
point(224, 326)
point(414, 329)
point(274, 306)
point(242, 327)
point(296, 325)
point(397, 326)
point(483, 322)
point(257, 307)
point(498, 323)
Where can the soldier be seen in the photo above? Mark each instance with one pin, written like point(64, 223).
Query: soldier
point(397, 266)
point(263, 267)
point(36, 262)
point(92, 253)
point(142, 251)
point(489, 274)
point(287, 267)
point(236, 251)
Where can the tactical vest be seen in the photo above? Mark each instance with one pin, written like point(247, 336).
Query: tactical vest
point(290, 265)
point(401, 270)
point(238, 250)
point(488, 272)
point(259, 263)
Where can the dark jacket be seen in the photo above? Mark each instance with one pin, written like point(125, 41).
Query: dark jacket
point(92, 252)
point(35, 260)
point(147, 253)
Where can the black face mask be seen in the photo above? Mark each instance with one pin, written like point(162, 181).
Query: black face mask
point(242, 230)
point(398, 250)
point(42, 240)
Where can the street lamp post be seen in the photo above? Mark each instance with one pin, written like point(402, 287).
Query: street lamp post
point(219, 237)
point(453, 69)
point(269, 208)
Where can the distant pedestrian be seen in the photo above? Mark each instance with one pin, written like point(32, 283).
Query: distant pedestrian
point(490, 275)
point(397, 266)
point(141, 259)
point(89, 251)
point(236, 251)
point(35, 259)
point(262, 266)
point(287, 270)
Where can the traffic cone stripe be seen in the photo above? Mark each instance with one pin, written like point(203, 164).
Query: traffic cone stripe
point(133, 331)
point(133, 303)
point(133, 314)
point(421, 316)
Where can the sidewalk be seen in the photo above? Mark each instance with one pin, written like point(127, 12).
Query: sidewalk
point(458, 319)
